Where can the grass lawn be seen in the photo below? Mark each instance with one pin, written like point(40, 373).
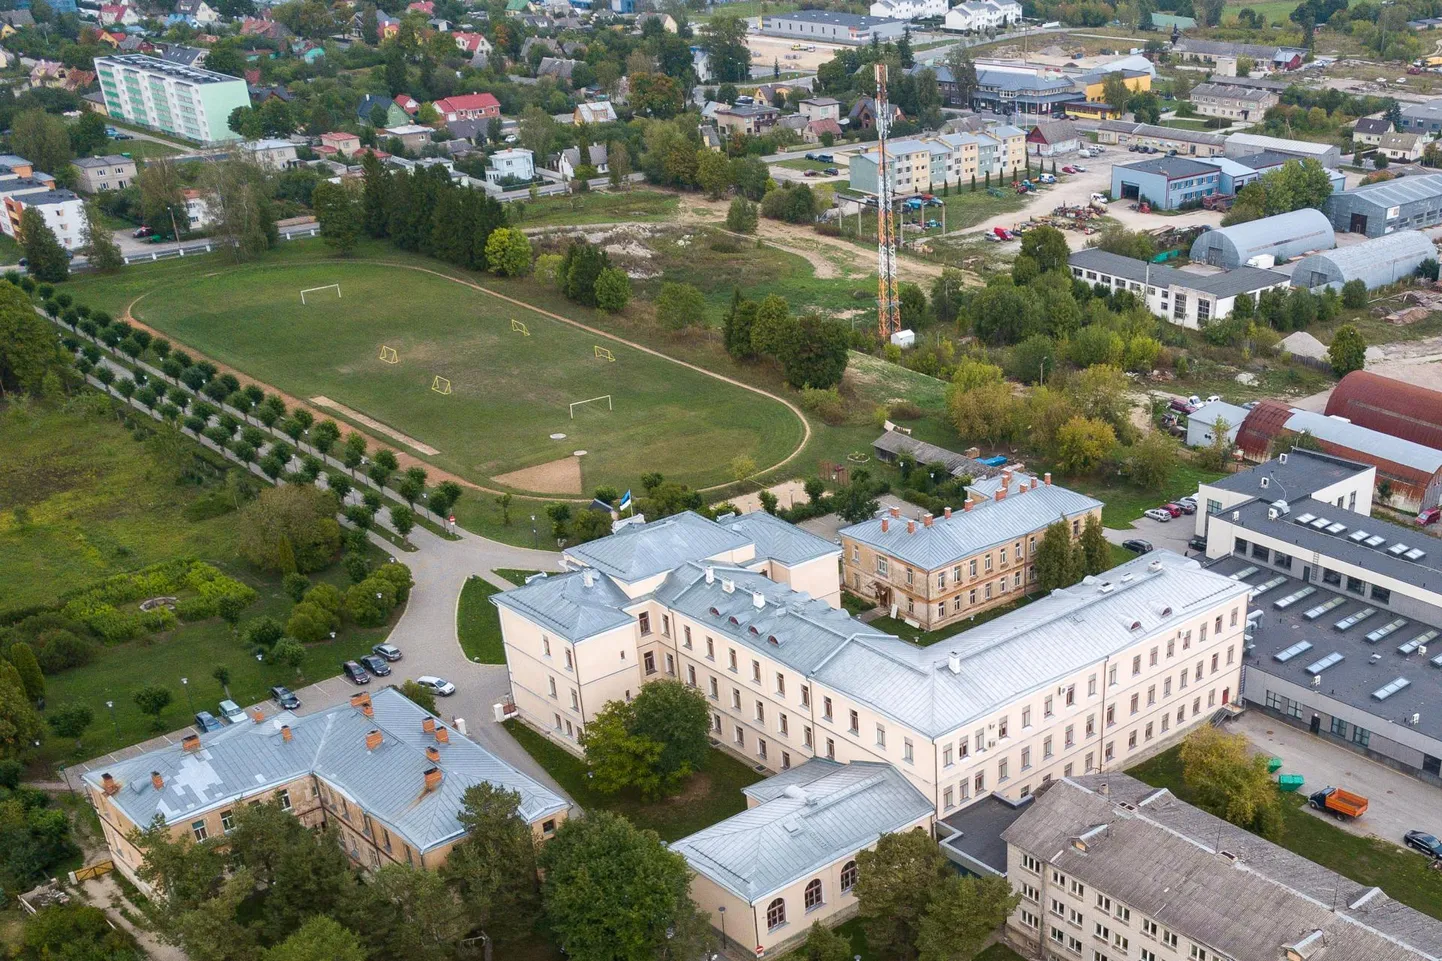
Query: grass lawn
point(143, 149)
point(599, 207)
point(1274, 11)
point(10, 252)
point(1186, 123)
point(1401, 873)
point(478, 623)
point(895, 625)
point(515, 576)
point(1125, 502)
point(801, 163)
point(712, 794)
point(509, 392)
point(742, 8)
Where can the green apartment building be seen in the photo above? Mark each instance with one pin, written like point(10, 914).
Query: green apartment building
point(187, 101)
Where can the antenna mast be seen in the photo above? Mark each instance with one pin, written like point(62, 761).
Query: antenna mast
point(888, 304)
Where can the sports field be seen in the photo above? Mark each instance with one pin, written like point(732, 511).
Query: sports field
point(509, 391)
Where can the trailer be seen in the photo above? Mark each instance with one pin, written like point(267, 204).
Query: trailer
point(1344, 805)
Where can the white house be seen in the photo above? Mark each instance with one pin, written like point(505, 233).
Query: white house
point(272, 153)
point(516, 162)
point(198, 209)
point(571, 160)
point(983, 15)
point(908, 9)
point(64, 213)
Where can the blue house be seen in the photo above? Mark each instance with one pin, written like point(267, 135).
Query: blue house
point(1166, 182)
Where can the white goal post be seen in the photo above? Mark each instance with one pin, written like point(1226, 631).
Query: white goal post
point(312, 290)
point(591, 400)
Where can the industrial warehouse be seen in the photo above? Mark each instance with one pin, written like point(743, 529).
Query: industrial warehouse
point(1280, 238)
point(1375, 209)
point(1376, 262)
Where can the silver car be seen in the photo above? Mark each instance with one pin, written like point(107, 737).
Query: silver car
point(436, 685)
point(232, 712)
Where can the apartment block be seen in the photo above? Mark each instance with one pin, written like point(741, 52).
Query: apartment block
point(1089, 678)
point(387, 774)
point(938, 570)
point(111, 172)
point(63, 210)
point(922, 165)
point(190, 102)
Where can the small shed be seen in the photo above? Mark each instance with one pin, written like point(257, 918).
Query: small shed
point(1202, 421)
point(1050, 138)
point(1284, 236)
point(1376, 262)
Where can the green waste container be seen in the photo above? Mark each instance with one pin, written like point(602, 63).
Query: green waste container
point(1289, 782)
point(1274, 765)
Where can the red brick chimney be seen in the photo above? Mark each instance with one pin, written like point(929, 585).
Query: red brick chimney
point(885, 524)
point(190, 743)
point(1001, 493)
point(108, 785)
point(367, 709)
point(257, 715)
point(927, 518)
point(285, 732)
point(433, 777)
point(428, 725)
point(896, 512)
point(947, 514)
point(1047, 479)
point(157, 781)
point(966, 504)
point(443, 736)
point(359, 700)
point(432, 754)
point(373, 739)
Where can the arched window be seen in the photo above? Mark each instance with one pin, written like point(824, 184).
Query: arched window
point(813, 894)
point(848, 876)
point(775, 914)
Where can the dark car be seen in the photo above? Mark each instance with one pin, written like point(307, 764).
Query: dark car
point(375, 664)
point(355, 673)
point(283, 698)
point(205, 722)
point(1426, 843)
point(1197, 543)
point(388, 651)
point(1138, 546)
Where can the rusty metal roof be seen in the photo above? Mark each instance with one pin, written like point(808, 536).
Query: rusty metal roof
point(1266, 422)
point(1390, 406)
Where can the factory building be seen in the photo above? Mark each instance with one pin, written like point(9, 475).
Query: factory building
point(1281, 237)
point(1407, 203)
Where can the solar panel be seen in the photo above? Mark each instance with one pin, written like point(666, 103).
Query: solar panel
point(1283, 603)
point(1306, 518)
point(1358, 536)
point(1391, 627)
point(1317, 667)
point(1376, 540)
point(1267, 585)
point(1244, 573)
point(1313, 613)
point(1301, 647)
point(1352, 620)
point(1415, 554)
point(1336, 528)
point(1382, 693)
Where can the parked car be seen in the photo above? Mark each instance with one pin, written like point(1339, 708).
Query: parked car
point(1426, 843)
point(810, 156)
point(436, 685)
point(205, 722)
point(232, 712)
point(123, 136)
point(1138, 546)
point(1157, 514)
point(1068, 169)
point(1429, 516)
point(1173, 509)
point(831, 172)
point(375, 664)
point(284, 699)
point(1080, 168)
point(355, 673)
point(1197, 543)
point(388, 651)
point(1344, 805)
point(1179, 405)
point(811, 173)
point(1188, 507)
point(1213, 398)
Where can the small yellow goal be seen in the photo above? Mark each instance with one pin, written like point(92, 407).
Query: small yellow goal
point(441, 385)
point(519, 326)
point(605, 353)
point(389, 355)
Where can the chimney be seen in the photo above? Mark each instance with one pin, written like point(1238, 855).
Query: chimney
point(285, 732)
point(428, 726)
point(910, 526)
point(896, 512)
point(433, 777)
point(433, 755)
point(359, 700)
point(710, 574)
point(108, 785)
point(1047, 479)
point(966, 504)
point(927, 518)
point(885, 524)
point(367, 709)
point(1105, 789)
point(758, 600)
point(443, 736)
point(190, 743)
point(257, 715)
point(947, 513)
point(1000, 494)
point(953, 662)
point(373, 739)
point(157, 780)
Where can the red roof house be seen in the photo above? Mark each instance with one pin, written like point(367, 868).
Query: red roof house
point(468, 106)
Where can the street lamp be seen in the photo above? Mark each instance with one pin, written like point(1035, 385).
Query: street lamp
point(111, 705)
point(185, 683)
point(535, 541)
point(721, 909)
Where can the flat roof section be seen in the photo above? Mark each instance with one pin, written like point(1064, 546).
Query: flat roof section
point(972, 839)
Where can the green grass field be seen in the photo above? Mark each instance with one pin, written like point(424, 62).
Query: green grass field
point(1272, 10)
point(509, 392)
point(599, 207)
point(478, 623)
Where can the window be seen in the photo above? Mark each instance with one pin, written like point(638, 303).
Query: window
point(979, 782)
point(881, 735)
point(946, 799)
point(830, 749)
point(1026, 717)
point(855, 723)
point(1198, 953)
point(756, 672)
point(686, 634)
point(740, 736)
point(783, 726)
point(813, 894)
point(551, 681)
point(1152, 658)
point(1003, 769)
point(906, 750)
point(775, 914)
point(761, 747)
point(645, 620)
point(198, 829)
point(227, 821)
point(1136, 665)
point(715, 689)
point(731, 658)
point(691, 675)
point(1112, 676)
point(848, 876)
point(710, 649)
point(1077, 888)
point(1046, 706)
point(1361, 736)
point(826, 708)
point(1001, 729)
point(1102, 931)
point(805, 695)
point(760, 713)
point(1091, 688)
point(1069, 735)
point(1111, 715)
point(1026, 758)
point(735, 699)
point(1031, 864)
point(570, 660)
point(575, 700)
point(881, 566)
point(649, 660)
point(1151, 695)
point(284, 798)
point(946, 756)
point(545, 645)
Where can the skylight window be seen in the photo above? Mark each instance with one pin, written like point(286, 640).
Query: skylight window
point(1382, 693)
point(1415, 554)
point(1391, 627)
point(1322, 608)
point(1352, 620)
point(1267, 585)
point(1398, 549)
point(1317, 667)
point(1412, 646)
point(1244, 573)
point(1283, 603)
point(1336, 528)
point(1301, 647)
point(1320, 523)
point(1376, 540)
point(1358, 536)
point(1306, 518)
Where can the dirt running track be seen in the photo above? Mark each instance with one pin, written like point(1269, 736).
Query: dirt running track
point(408, 460)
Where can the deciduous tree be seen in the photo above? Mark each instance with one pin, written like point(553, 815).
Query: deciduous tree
point(894, 882)
point(1348, 350)
point(1230, 780)
point(962, 915)
point(101, 249)
point(48, 260)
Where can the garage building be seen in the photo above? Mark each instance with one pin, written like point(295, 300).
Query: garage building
point(826, 26)
point(1390, 406)
point(1376, 262)
point(1283, 237)
point(1405, 203)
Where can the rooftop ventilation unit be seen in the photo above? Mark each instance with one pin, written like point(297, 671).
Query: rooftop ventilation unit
point(1301, 647)
point(1352, 620)
point(1382, 693)
point(1328, 605)
point(1317, 667)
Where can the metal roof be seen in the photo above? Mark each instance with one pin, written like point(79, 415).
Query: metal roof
point(832, 17)
point(1231, 414)
point(1391, 193)
point(895, 442)
point(1377, 261)
point(1228, 283)
point(1173, 168)
point(1391, 406)
point(645, 550)
point(1216, 884)
point(777, 540)
point(175, 71)
point(242, 760)
point(1305, 148)
point(576, 606)
point(826, 812)
point(1366, 441)
point(1283, 236)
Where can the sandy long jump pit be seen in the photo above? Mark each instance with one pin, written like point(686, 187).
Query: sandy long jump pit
point(560, 476)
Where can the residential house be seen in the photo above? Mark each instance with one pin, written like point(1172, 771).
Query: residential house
point(111, 172)
point(365, 110)
point(199, 208)
point(1404, 147)
point(1369, 131)
point(923, 165)
point(556, 67)
point(710, 137)
point(816, 130)
point(1202, 423)
point(385, 774)
point(908, 9)
point(413, 136)
point(821, 108)
point(198, 12)
point(468, 106)
point(1053, 138)
point(473, 43)
point(600, 111)
point(410, 105)
point(516, 164)
point(63, 211)
point(426, 7)
point(1233, 103)
point(118, 15)
point(271, 153)
point(188, 101)
point(341, 141)
point(747, 119)
point(570, 160)
point(862, 115)
point(973, 15)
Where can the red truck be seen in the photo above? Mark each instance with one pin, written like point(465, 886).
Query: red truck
point(1344, 805)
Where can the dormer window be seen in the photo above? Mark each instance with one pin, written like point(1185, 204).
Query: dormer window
point(733, 620)
point(771, 638)
point(715, 612)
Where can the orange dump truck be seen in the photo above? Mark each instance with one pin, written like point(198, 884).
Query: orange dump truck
point(1343, 804)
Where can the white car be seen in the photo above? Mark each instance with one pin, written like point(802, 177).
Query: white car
point(1157, 514)
point(232, 712)
point(436, 685)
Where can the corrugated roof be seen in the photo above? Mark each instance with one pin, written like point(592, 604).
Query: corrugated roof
point(1305, 148)
point(576, 605)
point(1263, 425)
point(1366, 441)
point(1378, 260)
point(779, 541)
point(1391, 406)
point(895, 442)
point(388, 783)
point(1391, 193)
point(1284, 235)
point(1227, 283)
point(645, 550)
point(825, 812)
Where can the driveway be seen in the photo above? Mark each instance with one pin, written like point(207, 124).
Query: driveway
point(1396, 803)
point(1172, 535)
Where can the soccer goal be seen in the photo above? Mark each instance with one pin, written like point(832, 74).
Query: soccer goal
point(389, 355)
point(605, 354)
point(316, 290)
point(440, 385)
point(519, 326)
point(591, 400)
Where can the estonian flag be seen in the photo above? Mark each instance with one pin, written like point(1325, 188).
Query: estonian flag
point(625, 502)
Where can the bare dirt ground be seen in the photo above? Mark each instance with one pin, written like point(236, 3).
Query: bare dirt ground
point(375, 425)
point(562, 476)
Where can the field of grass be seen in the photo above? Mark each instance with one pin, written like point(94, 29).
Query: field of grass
point(1125, 502)
point(142, 149)
point(478, 623)
point(1272, 10)
point(96, 502)
point(10, 252)
point(801, 163)
point(599, 207)
point(1403, 874)
point(712, 794)
point(509, 392)
point(1186, 123)
point(742, 8)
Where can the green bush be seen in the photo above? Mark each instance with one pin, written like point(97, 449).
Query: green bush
point(827, 404)
point(311, 623)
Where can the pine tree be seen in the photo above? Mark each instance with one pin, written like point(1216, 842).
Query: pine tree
point(375, 196)
point(1055, 561)
point(101, 250)
point(23, 657)
point(1096, 552)
point(48, 261)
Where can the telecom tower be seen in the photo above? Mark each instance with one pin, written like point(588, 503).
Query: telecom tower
point(888, 303)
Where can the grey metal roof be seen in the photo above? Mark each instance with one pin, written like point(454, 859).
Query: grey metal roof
point(576, 605)
point(777, 540)
point(1429, 110)
point(645, 550)
point(1215, 884)
point(1176, 134)
point(1230, 414)
point(244, 759)
point(1173, 168)
point(1303, 472)
point(1373, 125)
point(826, 812)
point(1402, 190)
point(1377, 261)
point(965, 533)
point(1359, 438)
point(1265, 159)
point(1228, 283)
point(895, 442)
point(109, 160)
point(1283, 236)
point(176, 71)
point(835, 18)
point(1306, 148)
point(1230, 92)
